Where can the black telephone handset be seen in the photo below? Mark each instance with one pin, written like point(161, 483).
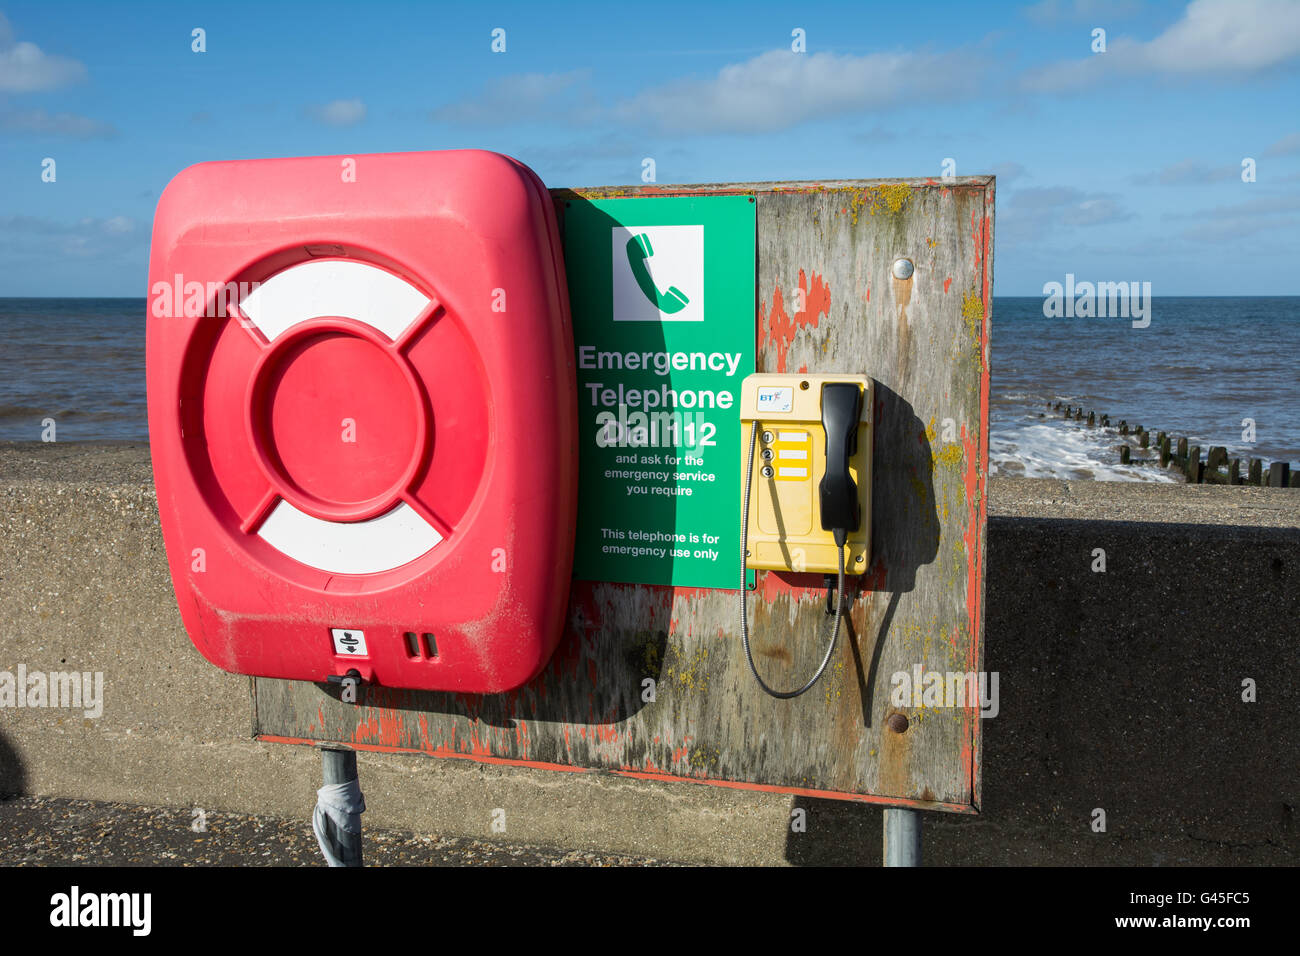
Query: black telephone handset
point(838, 492)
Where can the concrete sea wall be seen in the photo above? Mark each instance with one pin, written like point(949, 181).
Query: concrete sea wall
point(1119, 691)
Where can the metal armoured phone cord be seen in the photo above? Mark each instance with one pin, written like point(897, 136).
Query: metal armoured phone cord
point(841, 535)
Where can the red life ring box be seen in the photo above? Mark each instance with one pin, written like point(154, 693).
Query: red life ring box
point(363, 417)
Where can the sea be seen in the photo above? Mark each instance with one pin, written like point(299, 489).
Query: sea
point(1217, 370)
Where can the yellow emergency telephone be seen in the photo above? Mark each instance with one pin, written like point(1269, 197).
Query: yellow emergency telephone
point(806, 445)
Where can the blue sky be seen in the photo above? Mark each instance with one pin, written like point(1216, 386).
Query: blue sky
point(1122, 165)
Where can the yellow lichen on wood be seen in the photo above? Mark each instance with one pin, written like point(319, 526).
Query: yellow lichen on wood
point(690, 675)
point(972, 313)
point(951, 454)
point(888, 197)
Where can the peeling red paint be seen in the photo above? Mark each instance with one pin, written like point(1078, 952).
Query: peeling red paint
point(977, 467)
point(946, 283)
point(798, 587)
point(780, 328)
point(381, 725)
point(971, 539)
point(802, 791)
point(606, 733)
point(477, 747)
point(687, 593)
point(645, 775)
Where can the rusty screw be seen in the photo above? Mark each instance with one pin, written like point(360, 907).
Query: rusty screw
point(897, 723)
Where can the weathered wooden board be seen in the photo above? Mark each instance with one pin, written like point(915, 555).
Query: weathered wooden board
point(925, 341)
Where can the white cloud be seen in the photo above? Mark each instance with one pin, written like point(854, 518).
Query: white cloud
point(1221, 230)
point(1191, 172)
point(339, 112)
point(544, 97)
point(779, 89)
point(1036, 213)
point(1054, 11)
point(33, 238)
point(1274, 212)
point(1268, 205)
point(1091, 212)
point(25, 68)
point(1267, 215)
point(614, 153)
point(57, 124)
point(1046, 197)
point(774, 90)
point(1008, 173)
point(1213, 36)
point(1221, 35)
point(1285, 146)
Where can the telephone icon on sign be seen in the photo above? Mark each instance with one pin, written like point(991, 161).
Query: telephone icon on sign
point(638, 251)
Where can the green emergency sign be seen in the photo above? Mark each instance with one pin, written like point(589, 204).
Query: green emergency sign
point(662, 293)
